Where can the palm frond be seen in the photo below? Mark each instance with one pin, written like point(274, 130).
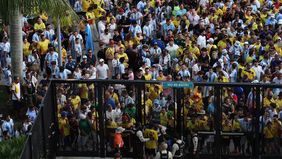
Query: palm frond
point(53, 8)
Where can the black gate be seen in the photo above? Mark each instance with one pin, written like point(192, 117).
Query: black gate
point(216, 139)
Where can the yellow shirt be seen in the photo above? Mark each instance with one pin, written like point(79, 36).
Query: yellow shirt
point(235, 126)
point(250, 74)
point(40, 26)
point(153, 135)
point(276, 125)
point(267, 102)
point(64, 126)
point(148, 106)
point(98, 12)
point(64, 54)
point(115, 97)
point(26, 50)
point(83, 91)
point(278, 103)
point(75, 102)
point(148, 76)
point(86, 4)
point(163, 118)
point(268, 134)
point(90, 16)
point(221, 45)
point(123, 55)
point(43, 46)
point(195, 51)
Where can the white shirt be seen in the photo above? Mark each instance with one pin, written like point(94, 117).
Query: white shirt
point(64, 74)
point(101, 27)
point(147, 31)
point(258, 70)
point(102, 71)
point(202, 41)
point(105, 38)
point(172, 50)
point(77, 74)
point(141, 5)
point(135, 30)
point(6, 47)
point(93, 73)
point(195, 69)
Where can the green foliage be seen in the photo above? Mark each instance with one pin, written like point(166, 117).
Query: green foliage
point(53, 8)
point(11, 149)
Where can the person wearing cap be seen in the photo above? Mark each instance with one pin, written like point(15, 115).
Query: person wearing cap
point(102, 70)
point(84, 63)
point(118, 140)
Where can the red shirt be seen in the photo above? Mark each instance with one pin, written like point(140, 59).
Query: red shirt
point(118, 141)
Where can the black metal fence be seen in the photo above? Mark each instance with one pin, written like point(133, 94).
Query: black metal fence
point(39, 141)
point(216, 140)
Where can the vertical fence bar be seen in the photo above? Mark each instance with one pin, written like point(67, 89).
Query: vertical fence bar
point(139, 106)
point(30, 146)
point(43, 130)
point(55, 111)
point(218, 123)
point(179, 105)
point(256, 146)
point(101, 121)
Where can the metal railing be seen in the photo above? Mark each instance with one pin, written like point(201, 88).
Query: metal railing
point(44, 140)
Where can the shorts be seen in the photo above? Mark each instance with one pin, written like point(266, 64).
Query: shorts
point(150, 152)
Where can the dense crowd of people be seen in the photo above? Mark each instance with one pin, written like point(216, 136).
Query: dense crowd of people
point(161, 40)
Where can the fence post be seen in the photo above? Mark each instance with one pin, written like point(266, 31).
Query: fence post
point(256, 139)
point(101, 121)
point(30, 146)
point(55, 118)
point(43, 130)
point(139, 106)
point(179, 106)
point(217, 123)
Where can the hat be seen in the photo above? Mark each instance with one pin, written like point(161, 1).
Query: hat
point(272, 15)
point(155, 43)
point(120, 130)
point(84, 57)
point(210, 40)
point(101, 60)
point(224, 51)
point(246, 43)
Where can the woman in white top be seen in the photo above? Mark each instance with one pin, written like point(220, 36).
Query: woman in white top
point(112, 26)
